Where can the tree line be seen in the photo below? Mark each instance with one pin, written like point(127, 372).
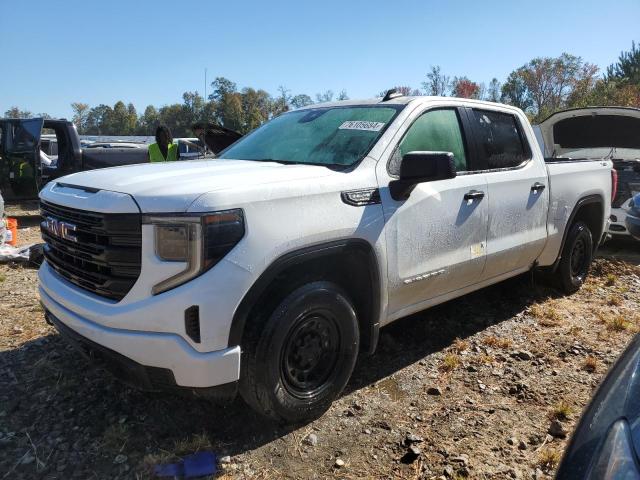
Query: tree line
point(539, 87)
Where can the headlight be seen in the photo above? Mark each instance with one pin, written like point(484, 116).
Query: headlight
point(199, 240)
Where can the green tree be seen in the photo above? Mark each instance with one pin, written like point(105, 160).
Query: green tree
point(232, 115)
point(256, 108)
point(148, 121)
point(437, 84)
point(281, 103)
point(173, 116)
point(550, 83)
point(326, 96)
point(97, 120)
point(118, 120)
point(301, 100)
point(514, 92)
point(493, 92)
point(80, 114)
point(221, 87)
point(132, 119)
point(627, 69)
point(15, 112)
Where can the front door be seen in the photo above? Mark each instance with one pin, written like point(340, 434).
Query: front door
point(20, 158)
point(436, 237)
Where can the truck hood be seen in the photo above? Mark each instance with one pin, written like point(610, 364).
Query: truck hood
point(173, 186)
point(592, 128)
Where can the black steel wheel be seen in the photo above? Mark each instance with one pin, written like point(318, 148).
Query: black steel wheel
point(300, 358)
point(577, 256)
point(310, 354)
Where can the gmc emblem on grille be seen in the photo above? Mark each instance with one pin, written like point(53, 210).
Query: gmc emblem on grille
point(61, 229)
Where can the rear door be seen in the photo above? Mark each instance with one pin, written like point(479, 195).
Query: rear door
point(20, 161)
point(518, 190)
point(436, 237)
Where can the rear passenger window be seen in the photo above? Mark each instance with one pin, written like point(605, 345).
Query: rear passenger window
point(434, 131)
point(500, 141)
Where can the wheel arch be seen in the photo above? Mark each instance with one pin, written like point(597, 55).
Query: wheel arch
point(589, 209)
point(350, 263)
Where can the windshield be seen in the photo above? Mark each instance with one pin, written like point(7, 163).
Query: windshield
point(325, 136)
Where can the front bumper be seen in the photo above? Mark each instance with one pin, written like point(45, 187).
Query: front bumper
point(633, 226)
point(617, 222)
point(137, 351)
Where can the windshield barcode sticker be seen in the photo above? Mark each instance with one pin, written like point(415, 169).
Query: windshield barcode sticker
point(361, 125)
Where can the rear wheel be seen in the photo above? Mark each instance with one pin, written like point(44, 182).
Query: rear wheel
point(300, 359)
point(577, 256)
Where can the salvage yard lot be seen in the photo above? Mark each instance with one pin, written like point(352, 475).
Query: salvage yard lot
point(473, 385)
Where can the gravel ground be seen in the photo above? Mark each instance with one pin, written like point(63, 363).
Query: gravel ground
point(486, 386)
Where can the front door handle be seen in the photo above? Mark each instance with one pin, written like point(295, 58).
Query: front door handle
point(538, 187)
point(474, 195)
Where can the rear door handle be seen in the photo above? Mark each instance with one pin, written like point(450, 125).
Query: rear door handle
point(473, 195)
point(538, 187)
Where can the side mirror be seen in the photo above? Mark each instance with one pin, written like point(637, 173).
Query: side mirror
point(420, 167)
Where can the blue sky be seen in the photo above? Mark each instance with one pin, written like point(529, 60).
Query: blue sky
point(150, 52)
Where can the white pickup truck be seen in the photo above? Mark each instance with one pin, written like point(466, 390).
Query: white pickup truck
point(269, 268)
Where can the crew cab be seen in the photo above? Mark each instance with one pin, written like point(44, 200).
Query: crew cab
point(269, 269)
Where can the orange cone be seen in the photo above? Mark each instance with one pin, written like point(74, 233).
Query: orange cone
point(12, 231)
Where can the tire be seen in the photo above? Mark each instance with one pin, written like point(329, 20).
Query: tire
point(297, 362)
point(577, 256)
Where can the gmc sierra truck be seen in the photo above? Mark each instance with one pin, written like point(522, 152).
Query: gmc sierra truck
point(269, 269)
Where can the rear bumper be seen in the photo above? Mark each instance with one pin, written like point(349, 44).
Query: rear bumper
point(151, 360)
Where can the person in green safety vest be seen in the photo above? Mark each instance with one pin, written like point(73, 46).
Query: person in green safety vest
point(164, 150)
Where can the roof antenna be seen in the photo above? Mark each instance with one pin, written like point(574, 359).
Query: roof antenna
point(391, 94)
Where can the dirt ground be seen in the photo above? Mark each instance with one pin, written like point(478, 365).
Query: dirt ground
point(473, 385)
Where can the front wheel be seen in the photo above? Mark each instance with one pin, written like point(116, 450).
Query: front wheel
point(577, 256)
point(300, 359)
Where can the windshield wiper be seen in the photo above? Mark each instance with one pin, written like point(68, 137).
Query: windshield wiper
point(331, 166)
point(283, 162)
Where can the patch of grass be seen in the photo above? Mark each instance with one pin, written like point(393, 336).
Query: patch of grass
point(184, 446)
point(548, 458)
point(610, 280)
point(614, 301)
point(192, 444)
point(547, 315)
point(450, 362)
point(617, 323)
point(485, 358)
point(561, 411)
point(2, 277)
point(460, 345)
point(590, 364)
point(496, 342)
point(575, 330)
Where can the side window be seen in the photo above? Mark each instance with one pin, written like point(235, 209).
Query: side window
point(434, 131)
point(500, 141)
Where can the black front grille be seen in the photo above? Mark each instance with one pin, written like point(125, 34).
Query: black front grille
point(102, 255)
